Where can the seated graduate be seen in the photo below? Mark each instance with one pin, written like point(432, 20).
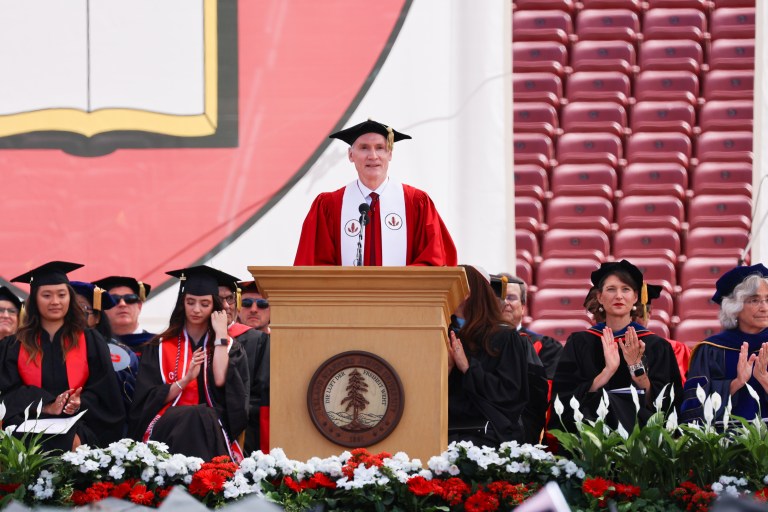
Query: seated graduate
point(193, 384)
point(10, 312)
point(95, 301)
point(727, 361)
point(614, 354)
point(55, 358)
point(488, 379)
point(129, 295)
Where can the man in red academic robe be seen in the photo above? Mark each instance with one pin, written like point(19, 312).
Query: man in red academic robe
point(402, 226)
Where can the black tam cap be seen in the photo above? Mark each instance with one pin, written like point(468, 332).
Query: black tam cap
point(499, 285)
point(53, 272)
point(139, 288)
point(733, 278)
point(7, 294)
point(98, 297)
point(249, 287)
point(610, 267)
point(202, 280)
point(351, 134)
point(654, 291)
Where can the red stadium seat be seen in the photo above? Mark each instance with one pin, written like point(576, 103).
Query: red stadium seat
point(584, 180)
point(726, 115)
point(566, 273)
point(702, 5)
point(559, 328)
point(729, 85)
point(526, 245)
point(659, 147)
point(667, 86)
point(550, 25)
point(725, 147)
point(570, 212)
point(597, 116)
point(529, 214)
point(704, 272)
point(655, 179)
point(539, 57)
point(575, 243)
point(634, 5)
point(674, 24)
point(589, 148)
point(596, 86)
point(733, 3)
point(545, 87)
point(524, 270)
point(651, 212)
point(659, 271)
point(535, 117)
point(560, 5)
point(671, 55)
point(720, 211)
point(658, 326)
point(646, 242)
point(697, 303)
point(558, 303)
point(533, 148)
point(531, 181)
point(733, 23)
point(603, 56)
point(723, 178)
point(663, 116)
point(732, 54)
point(691, 332)
point(726, 242)
point(607, 24)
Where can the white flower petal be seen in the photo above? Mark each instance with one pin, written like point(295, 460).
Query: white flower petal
point(700, 394)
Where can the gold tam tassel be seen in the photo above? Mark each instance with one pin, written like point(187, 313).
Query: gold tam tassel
point(238, 297)
point(390, 138)
point(22, 313)
point(97, 298)
point(644, 301)
point(504, 282)
point(143, 291)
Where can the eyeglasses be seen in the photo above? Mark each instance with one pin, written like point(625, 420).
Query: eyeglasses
point(129, 298)
point(756, 302)
point(260, 303)
point(10, 311)
point(88, 311)
point(511, 298)
point(229, 299)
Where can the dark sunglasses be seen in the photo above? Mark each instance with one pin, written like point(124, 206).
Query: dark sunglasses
point(260, 303)
point(129, 298)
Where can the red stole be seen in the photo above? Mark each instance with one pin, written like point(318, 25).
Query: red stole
point(237, 329)
point(76, 362)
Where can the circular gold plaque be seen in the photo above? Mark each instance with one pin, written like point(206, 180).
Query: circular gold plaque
point(355, 399)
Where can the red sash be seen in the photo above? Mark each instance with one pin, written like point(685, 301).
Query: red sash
point(76, 362)
point(237, 329)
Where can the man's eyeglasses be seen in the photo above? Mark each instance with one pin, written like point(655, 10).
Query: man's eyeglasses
point(229, 299)
point(88, 312)
point(511, 298)
point(10, 311)
point(260, 303)
point(756, 302)
point(129, 298)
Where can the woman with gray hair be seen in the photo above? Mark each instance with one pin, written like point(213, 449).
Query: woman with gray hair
point(726, 362)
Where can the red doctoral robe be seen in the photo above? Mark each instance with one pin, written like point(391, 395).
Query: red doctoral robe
point(429, 242)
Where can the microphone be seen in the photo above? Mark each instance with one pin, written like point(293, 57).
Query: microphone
point(363, 209)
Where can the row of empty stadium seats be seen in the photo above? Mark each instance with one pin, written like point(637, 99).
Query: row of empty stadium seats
point(572, 6)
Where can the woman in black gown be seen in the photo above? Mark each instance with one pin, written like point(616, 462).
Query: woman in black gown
point(55, 359)
point(192, 388)
point(614, 354)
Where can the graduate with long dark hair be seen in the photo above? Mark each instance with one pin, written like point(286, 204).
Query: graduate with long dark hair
point(193, 385)
point(56, 359)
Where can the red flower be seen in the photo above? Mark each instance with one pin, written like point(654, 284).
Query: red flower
point(452, 490)
point(762, 494)
point(597, 487)
point(481, 501)
point(292, 484)
point(81, 498)
point(9, 488)
point(627, 491)
point(141, 496)
point(162, 493)
point(121, 490)
point(420, 486)
point(322, 480)
point(205, 481)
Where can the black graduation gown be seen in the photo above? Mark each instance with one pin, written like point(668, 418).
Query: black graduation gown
point(549, 350)
point(582, 360)
point(135, 341)
point(192, 430)
point(256, 345)
point(494, 389)
point(104, 421)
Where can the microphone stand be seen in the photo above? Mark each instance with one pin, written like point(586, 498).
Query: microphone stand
point(363, 221)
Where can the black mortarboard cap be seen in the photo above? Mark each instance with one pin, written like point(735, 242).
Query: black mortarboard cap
point(202, 280)
point(499, 285)
point(350, 135)
point(249, 287)
point(53, 272)
point(7, 294)
point(139, 288)
point(97, 296)
point(610, 267)
point(654, 291)
point(731, 279)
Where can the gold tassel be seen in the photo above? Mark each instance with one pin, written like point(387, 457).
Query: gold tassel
point(142, 292)
point(238, 297)
point(97, 298)
point(22, 313)
point(644, 302)
point(504, 282)
point(390, 138)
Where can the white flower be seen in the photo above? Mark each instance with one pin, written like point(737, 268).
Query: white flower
point(717, 487)
point(602, 409)
point(752, 392)
point(709, 413)
point(39, 408)
point(700, 394)
point(558, 406)
point(727, 412)
point(717, 401)
point(635, 398)
point(555, 471)
point(659, 402)
point(578, 417)
point(574, 404)
point(671, 424)
point(580, 474)
point(622, 432)
point(116, 472)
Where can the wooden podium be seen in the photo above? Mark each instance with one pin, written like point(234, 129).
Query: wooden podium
point(400, 314)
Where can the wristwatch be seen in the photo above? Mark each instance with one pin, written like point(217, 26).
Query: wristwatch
point(637, 369)
point(221, 342)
